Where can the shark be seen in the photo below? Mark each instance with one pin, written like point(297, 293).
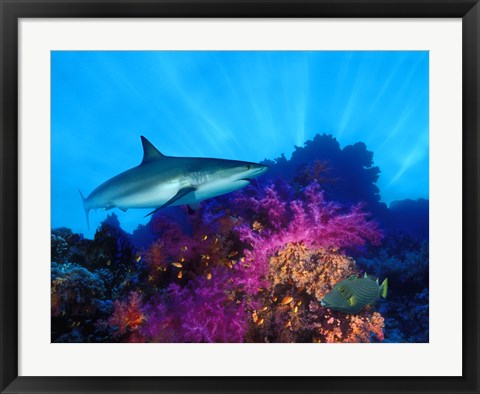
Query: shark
point(160, 181)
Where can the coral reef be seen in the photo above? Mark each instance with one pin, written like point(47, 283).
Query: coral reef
point(311, 221)
point(209, 309)
point(404, 260)
point(127, 315)
point(253, 265)
point(77, 299)
point(290, 309)
point(75, 291)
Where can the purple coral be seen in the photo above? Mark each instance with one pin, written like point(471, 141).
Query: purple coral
point(207, 310)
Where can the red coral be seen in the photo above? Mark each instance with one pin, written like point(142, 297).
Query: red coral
point(127, 315)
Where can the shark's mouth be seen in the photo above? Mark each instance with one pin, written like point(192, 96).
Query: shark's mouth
point(255, 174)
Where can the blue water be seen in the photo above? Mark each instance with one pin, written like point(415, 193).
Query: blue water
point(235, 105)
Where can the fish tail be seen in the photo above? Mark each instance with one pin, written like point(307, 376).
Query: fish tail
point(384, 288)
point(87, 210)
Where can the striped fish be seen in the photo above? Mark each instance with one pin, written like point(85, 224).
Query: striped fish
point(353, 294)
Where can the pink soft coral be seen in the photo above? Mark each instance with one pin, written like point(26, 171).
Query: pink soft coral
point(235, 271)
point(311, 221)
point(210, 310)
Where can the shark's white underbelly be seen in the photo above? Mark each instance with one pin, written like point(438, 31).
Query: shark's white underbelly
point(217, 188)
point(157, 196)
point(148, 198)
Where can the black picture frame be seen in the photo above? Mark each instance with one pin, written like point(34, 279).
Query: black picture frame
point(11, 11)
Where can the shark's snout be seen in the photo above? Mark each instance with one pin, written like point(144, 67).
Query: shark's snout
point(252, 170)
point(260, 169)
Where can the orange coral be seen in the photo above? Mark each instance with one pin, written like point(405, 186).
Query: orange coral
point(315, 271)
point(127, 316)
point(155, 256)
point(291, 310)
point(362, 328)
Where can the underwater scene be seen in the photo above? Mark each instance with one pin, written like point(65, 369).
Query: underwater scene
point(240, 196)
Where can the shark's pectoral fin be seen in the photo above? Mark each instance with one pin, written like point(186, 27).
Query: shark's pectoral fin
point(108, 206)
point(123, 209)
point(181, 193)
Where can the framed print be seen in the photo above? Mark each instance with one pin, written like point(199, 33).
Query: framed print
point(217, 196)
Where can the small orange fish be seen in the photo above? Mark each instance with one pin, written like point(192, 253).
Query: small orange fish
point(180, 275)
point(295, 310)
point(260, 321)
point(288, 324)
point(275, 299)
point(257, 226)
point(209, 276)
point(205, 237)
point(287, 300)
point(232, 254)
point(138, 258)
point(178, 265)
point(182, 259)
point(205, 257)
point(264, 309)
point(299, 303)
point(254, 316)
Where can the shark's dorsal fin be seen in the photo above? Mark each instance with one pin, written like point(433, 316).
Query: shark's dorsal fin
point(150, 153)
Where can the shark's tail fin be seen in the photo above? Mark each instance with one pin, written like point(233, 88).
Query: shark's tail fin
point(87, 210)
